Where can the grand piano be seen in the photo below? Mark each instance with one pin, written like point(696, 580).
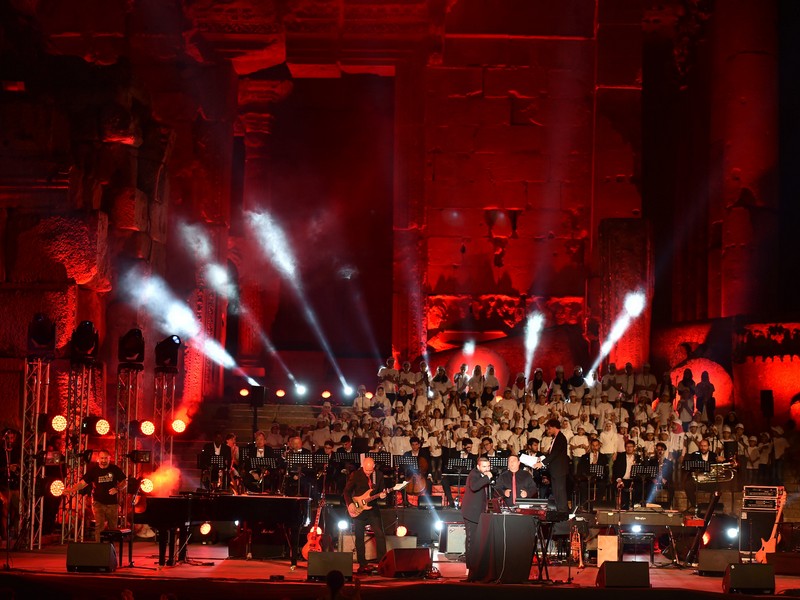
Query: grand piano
point(178, 513)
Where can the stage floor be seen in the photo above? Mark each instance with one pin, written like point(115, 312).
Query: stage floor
point(210, 574)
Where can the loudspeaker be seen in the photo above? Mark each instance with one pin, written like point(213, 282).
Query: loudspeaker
point(405, 562)
point(322, 563)
point(91, 557)
point(618, 574)
point(407, 541)
point(370, 547)
point(767, 404)
point(607, 549)
point(453, 539)
point(715, 562)
point(749, 579)
point(755, 526)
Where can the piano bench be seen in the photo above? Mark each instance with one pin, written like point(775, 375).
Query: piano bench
point(637, 539)
point(121, 536)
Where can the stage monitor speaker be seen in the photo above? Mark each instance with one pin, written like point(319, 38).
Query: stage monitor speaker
point(406, 562)
point(767, 404)
point(370, 546)
point(322, 563)
point(618, 574)
point(715, 562)
point(749, 579)
point(91, 557)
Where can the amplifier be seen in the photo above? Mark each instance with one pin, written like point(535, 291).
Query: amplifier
point(763, 491)
point(760, 504)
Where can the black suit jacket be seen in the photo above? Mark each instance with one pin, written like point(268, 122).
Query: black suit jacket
point(357, 484)
point(524, 482)
point(557, 462)
point(475, 496)
point(620, 465)
point(208, 452)
point(583, 464)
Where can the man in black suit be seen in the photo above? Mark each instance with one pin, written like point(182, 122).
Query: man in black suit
point(214, 474)
point(706, 455)
point(366, 480)
point(622, 474)
point(557, 463)
point(588, 483)
point(457, 478)
point(475, 497)
point(663, 479)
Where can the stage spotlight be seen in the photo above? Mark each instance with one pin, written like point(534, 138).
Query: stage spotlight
point(167, 351)
point(131, 347)
point(732, 532)
point(56, 488)
point(41, 336)
point(84, 341)
point(469, 348)
point(438, 525)
point(326, 394)
point(146, 485)
point(634, 304)
point(255, 394)
point(636, 528)
point(58, 423)
point(348, 390)
point(533, 331)
point(140, 456)
point(401, 531)
point(300, 389)
point(244, 392)
point(141, 428)
point(95, 426)
point(205, 528)
point(706, 538)
point(280, 393)
point(343, 525)
point(178, 426)
point(369, 395)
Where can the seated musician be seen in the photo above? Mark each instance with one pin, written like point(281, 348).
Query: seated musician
point(332, 474)
point(450, 478)
point(365, 483)
point(623, 467)
point(257, 478)
point(344, 457)
point(703, 454)
point(213, 476)
point(488, 450)
point(300, 478)
point(587, 487)
point(515, 483)
point(419, 477)
point(663, 478)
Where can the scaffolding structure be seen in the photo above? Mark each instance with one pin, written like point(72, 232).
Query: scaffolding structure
point(73, 512)
point(128, 376)
point(163, 415)
point(34, 444)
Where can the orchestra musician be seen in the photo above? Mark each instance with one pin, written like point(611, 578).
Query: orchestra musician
point(362, 481)
point(587, 487)
point(663, 478)
point(258, 479)
point(623, 466)
point(703, 454)
point(215, 476)
point(448, 480)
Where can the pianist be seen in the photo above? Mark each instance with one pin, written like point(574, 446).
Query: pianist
point(515, 483)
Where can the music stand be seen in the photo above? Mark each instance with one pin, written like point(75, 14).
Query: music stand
point(597, 472)
point(261, 464)
point(297, 462)
point(217, 462)
point(458, 467)
point(644, 471)
point(696, 466)
point(321, 460)
point(381, 458)
point(410, 465)
point(497, 463)
point(347, 457)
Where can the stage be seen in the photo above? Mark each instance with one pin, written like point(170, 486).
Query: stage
point(209, 573)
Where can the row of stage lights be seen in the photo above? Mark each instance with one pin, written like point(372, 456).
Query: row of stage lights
point(95, 426)
point(254, 392)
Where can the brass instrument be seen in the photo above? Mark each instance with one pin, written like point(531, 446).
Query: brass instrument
point(717, 473)
point(576, 546)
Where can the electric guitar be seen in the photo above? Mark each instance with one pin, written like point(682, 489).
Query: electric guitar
point(361, 503)
point(315, 536)
point(769, 546)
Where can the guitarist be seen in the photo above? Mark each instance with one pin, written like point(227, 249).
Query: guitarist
point(366, 479)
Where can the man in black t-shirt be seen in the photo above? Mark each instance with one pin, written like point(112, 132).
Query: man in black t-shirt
point(108, 482)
